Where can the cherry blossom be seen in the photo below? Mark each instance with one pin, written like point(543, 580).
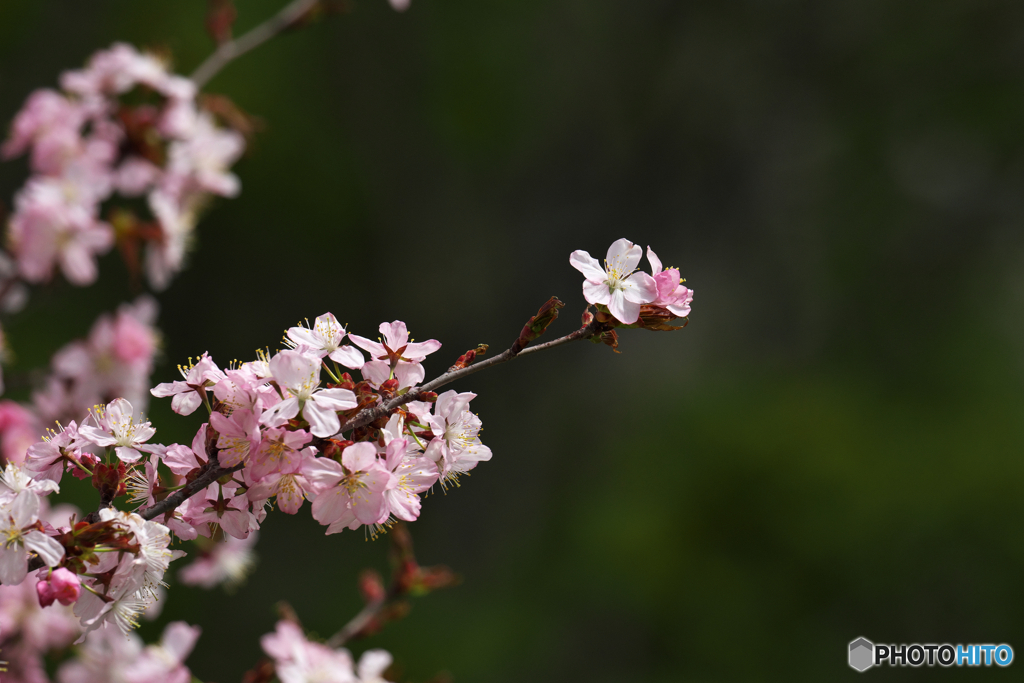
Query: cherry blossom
point(456, 447)
point(238, 435)
point(325, 338)
point(116, 426)
point(617, 285)
point(60, 585)
point(18, 538)
point(297, 660)
point(299, 375)
point(225, 563)
point(188, 395)
point(352, 492)
point(395, 356)
point(671, 292)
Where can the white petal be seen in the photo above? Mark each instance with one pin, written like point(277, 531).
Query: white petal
point(640, 288)
point(624, 311)
point(48, 549)
point(409, 374)
point(293, 369)
point(323, 421)
point(97, 436)
point(376, 372)
point(596, 292)
point(178, 639)
point(623, 256)
point(127, 454)
point(13, 566)
point(373, 663)
point(281, 413)
point(336, 399)
point(25, 509)
point(588, 265)
point(348, 356)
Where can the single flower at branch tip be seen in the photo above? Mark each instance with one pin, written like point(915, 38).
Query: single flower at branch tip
point(617, 285)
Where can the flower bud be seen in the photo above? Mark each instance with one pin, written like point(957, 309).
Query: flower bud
point(60, 585)
point(371, 585)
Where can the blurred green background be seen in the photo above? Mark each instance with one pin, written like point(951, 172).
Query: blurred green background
point(831, 449)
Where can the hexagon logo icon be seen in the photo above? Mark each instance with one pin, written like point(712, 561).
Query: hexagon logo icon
point(862, 654)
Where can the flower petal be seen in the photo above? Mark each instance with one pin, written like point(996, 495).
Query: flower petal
point(48, 549)
point(623, 256)
point(348, 356)
point(588, 265)
point(655, 261)
point(596, 292)
point(640, 288)
point(624, 311)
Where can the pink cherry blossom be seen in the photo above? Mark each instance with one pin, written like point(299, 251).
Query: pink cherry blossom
point(353, 491)
point(200, 161)
point(238, 436)
point(219, 506)
point(188, 395)
point(299, 375)
point(164, 662)
point(297, 660)
point(115, 426)
point(671, 292)
point(17, 539)
point(227, 562)
point(411, 475)
point(395, 356)
point(616, 285)
point(46, 459)
point(46, 113)
point(50, 227)
point(279, 452)
point(60, 585)
point(325, 338)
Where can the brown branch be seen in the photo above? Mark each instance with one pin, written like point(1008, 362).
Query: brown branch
point(232, 49)
point(368, 415)
point(213, 472)
point(407, 578)
point(365, 617)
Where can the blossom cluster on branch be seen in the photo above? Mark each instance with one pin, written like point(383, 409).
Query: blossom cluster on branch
point(346, 422)
point(123, 125)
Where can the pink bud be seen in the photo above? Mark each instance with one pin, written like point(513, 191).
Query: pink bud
point(61, 585)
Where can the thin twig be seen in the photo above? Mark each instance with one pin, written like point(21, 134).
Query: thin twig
point(232, 49)
point(364, 618)
point(368, 415)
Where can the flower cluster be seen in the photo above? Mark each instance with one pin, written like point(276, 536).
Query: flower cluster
point(109, 655)
point(630, 296)
point(275, 427)
point(337, 419)
point(115, 360)
point(277, 424)
point(298, 660)
point(126, 125)
point(110, 569)
point(28, 632)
